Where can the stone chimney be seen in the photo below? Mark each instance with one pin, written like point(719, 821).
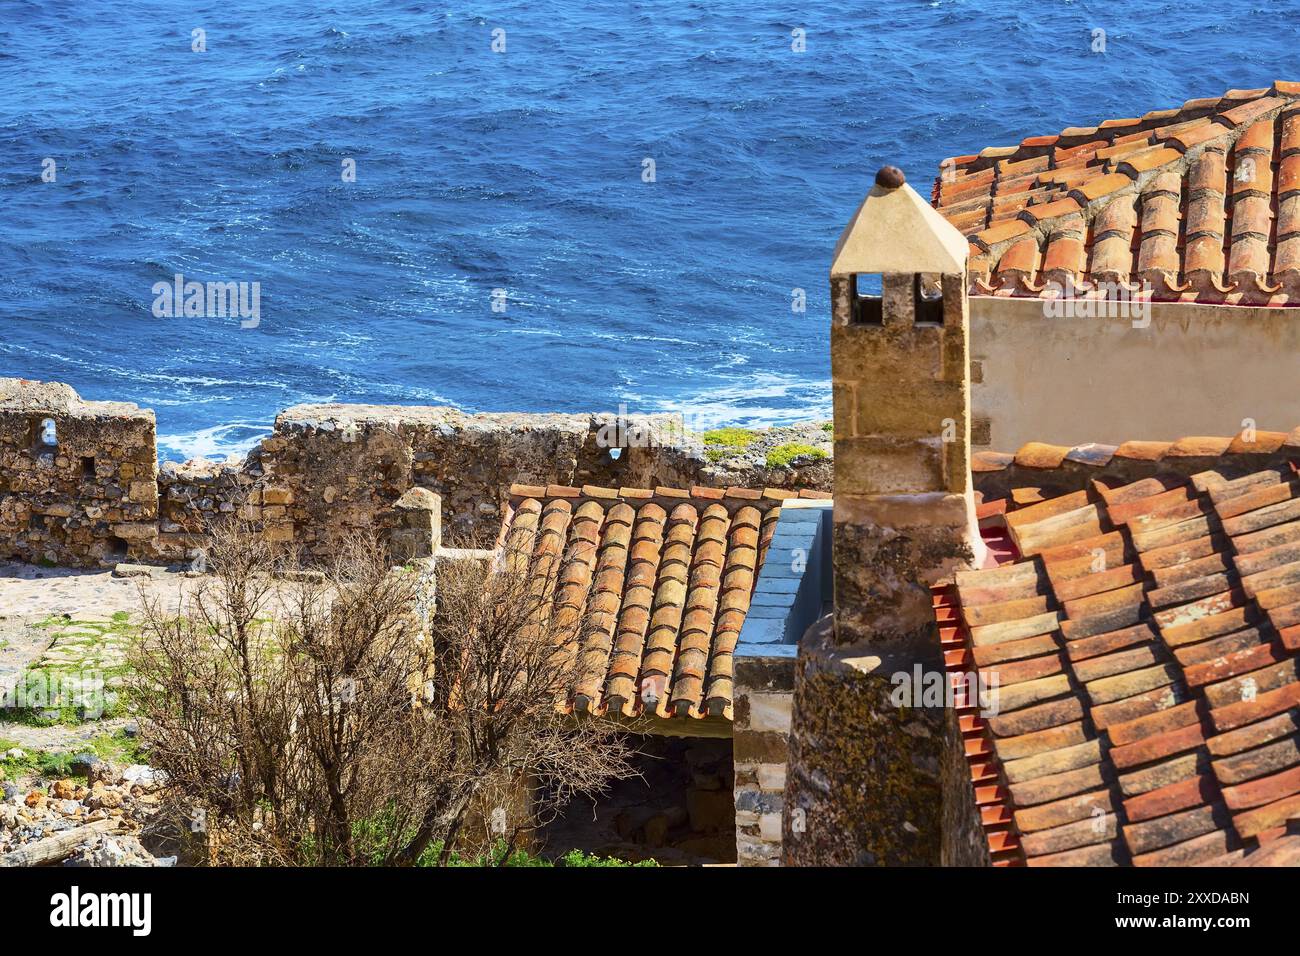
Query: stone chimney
point(900, 366)
point(864, 781)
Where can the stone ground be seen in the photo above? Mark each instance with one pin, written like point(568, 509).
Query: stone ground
point(60, 622)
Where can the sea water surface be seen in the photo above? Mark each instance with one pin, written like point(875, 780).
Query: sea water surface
point(521, 169)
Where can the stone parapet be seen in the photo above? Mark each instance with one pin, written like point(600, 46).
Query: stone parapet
point(96, 496)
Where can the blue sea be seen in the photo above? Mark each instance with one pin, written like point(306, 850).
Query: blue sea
point(504, 146)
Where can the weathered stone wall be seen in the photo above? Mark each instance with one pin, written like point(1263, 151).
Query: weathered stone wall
point(863, 787)
point(193, 495)
point(760, 736)
point(98, 496)
point(964, 842)
point(678, 810)
point(78, 480)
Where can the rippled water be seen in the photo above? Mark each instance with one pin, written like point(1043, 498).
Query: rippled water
point(521, 171)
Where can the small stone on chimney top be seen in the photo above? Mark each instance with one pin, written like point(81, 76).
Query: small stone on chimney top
point(890, 177)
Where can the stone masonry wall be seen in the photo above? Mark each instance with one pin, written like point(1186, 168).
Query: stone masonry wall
point(964, 842)
point(760, 735)
point(98, 497)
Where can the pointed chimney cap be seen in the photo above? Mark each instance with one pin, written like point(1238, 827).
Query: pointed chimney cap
point(895, 230)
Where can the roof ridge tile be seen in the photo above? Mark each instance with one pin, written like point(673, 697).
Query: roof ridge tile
point(1042, 455)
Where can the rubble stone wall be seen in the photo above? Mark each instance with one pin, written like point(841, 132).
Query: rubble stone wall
point(863, 786)
point(78, 480)
point(964, 842)
point(98, 496)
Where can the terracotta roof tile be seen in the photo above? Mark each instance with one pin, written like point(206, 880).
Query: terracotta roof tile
point(1150, 636)
point(1039, 455)
point(1228, 209)
point(990, 461)
point(651, 587)
point(1142, 450)
point(988, 238)
point(1050, 210)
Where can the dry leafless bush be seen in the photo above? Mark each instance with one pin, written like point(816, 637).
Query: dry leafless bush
point(327, 722)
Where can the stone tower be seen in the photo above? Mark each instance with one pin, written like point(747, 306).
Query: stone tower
point(864, 782)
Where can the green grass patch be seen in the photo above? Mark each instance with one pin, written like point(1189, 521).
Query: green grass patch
point(38, 763)
point(118, 748)
point(828, 427)
point(723, 442)
point(782, 456)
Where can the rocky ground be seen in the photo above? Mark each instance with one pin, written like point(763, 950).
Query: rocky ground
point(103, 816)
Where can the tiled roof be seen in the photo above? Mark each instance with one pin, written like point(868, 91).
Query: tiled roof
point(655, 582)
point(1145, 638)
point(1200, 202)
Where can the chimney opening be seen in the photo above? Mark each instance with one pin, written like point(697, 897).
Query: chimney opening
point(868, 303)
point(928, 302)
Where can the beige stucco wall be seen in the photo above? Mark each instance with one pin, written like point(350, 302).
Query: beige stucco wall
point(1193, 370)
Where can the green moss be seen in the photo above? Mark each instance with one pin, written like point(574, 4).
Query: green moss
point(783, 455)
point(78, 649)
point(734, 438)
point(828, 427)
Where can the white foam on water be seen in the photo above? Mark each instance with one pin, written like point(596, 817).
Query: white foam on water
point(758, 401)
point(219, 441)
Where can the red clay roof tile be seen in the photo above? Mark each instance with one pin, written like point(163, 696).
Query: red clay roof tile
point(652, 594)
point(1178, 689)
point(999, 194)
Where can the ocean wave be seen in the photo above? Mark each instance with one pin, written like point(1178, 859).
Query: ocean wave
point(216, 442)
